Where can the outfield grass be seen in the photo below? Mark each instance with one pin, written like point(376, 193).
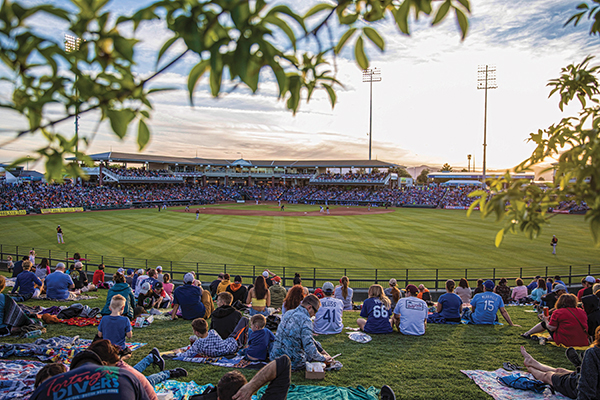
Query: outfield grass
point(420, 240)
point(425, 367)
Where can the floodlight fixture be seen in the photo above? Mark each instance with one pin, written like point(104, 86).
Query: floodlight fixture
point(486, 79)
point(371, 75)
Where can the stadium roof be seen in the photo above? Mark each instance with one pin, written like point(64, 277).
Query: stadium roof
point(477, 175)
point(146, 158)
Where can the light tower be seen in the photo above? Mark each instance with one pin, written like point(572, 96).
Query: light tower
point(469, 162)
point(72, 43)
point(370, 76)
point(486, 79)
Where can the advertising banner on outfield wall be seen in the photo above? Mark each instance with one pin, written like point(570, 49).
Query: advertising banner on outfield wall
point(61, 210)
point(12, 212)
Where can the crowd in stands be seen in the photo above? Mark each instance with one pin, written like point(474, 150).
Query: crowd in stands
point(139, 172)
point(459, 197)
point(573, 206)
point(351, 177)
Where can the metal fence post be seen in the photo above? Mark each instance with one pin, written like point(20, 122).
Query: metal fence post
point(521, 272)
point(494, 274)
point(546, 271)
point(376, 275)
point(283, 278)
point(570, 274)
point(123, 262)
point(224, 268)
point(197, 270)
point(314, 278)
point(345, 274)
point(17, 255)
point(436, 278)
point(102, 259)
point(86, 263)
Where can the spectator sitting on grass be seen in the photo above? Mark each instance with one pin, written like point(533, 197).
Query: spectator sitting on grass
point(344, 293)
point(209, 343)
point(377, 311)
point(110, 356)
point(479, 288)
point(123, 289)
point(294, 336)
point(26, 282)
point(215, 284)
point(189, 299)
point(237, 290)
point(448, 306)
point(260, 340)
point(581, 384)
point(588, 284)
point(519, 292)
point(259, 298)
point(410, 314)
point(98, 278)
point(464, 291)
point(58, 284)
point(551, 298)
point(136, 277)
point(590, 306)
point(79, 277)
point(278, 293)
point(539, 291)
point(225, 318)
point(115, 327)
point(328, 320)
point(503, 290)
point(223, 284)
point(129, 277)
point(485, 306)
point(393, 293)
point(18, 266)
point(149, 297)
point(293, 299)
point(43, 269)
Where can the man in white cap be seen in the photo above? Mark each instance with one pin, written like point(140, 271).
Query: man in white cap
point(268, 277)
point(159, 274)
point(189, 298)
point(588, 284)
point(328, 320)
point(553, 243)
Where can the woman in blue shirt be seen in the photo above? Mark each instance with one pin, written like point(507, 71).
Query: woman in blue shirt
point(539, 291)
point(377, 311)
point(448, 306)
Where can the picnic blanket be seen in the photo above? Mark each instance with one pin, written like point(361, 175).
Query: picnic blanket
point(81, 321)
point(487, 381)
point(55, 349)
point(235, 362)
point(17, 378)
point(552, 342)
point(180, 390)
point(303, 392)
point(72, 297)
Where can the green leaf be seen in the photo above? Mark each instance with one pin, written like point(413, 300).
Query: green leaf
point(441, 12)
point(359, 54)
point(331, 93)
point(195, 74)
point(499, 237)
point(317, 9)
point(463, 22)
point(401, 17)
point(343, 40)
point(120, 120)
point(143, 135)
point(165, 47)
point(465, 4)
point(374, 36)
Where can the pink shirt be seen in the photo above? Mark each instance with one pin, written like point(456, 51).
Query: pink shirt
point(168, 287)
point(519, 292)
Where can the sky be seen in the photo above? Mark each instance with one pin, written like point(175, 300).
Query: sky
point(427, 109)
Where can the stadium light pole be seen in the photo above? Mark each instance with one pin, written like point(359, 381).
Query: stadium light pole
point(486, 79)
point(469, 162)
point(370, 76)
point(72, 43)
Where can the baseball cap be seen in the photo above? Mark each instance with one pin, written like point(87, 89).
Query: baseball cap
point(140, 271)
point(188, 278)
point(412, 288)
point(157, 285)
point(159, 268)
point(130, 271)
point(590, 279)
point(145, 288)
point(121, 271)
point(328, 287)
point(560, 286)
point(393, 282)
point(237, 278)
point(265, 274)
point(489, 284)
point(276, 279)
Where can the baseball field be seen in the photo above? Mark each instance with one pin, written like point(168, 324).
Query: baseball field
point(352, 240)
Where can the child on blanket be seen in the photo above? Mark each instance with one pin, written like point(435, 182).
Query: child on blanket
point(209, 343)
point(260, 340)
point(115, 327)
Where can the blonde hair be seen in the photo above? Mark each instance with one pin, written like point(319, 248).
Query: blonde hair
point(377, 291)
point(117, 302)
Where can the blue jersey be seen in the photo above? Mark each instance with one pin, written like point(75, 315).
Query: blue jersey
point(378, 316)
point(328, 319)
point(450, 305)
point(486, 306)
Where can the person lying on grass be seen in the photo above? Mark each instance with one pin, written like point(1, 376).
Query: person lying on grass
point(377, 311)
point(209, 343)
point(582, 384)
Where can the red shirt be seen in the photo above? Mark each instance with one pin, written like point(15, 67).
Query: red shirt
point(98, 277)
point(572, 327)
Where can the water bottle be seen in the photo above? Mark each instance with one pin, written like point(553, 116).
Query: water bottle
point(33, 334)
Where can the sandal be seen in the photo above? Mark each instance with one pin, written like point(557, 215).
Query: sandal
point(511, 367)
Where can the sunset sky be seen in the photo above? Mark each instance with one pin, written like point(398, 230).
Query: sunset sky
point(426, 110)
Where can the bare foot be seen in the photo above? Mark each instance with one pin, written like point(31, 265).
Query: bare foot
point(527, 359)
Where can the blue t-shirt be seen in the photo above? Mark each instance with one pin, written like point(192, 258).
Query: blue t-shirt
point(486, 306)
point(451, 303)
point(115, 329)
point(57, 285)
point(189, 298)
point(259, 344)
point(328, 320)
point(537, 293)
point(25, 281)
point(378, 316)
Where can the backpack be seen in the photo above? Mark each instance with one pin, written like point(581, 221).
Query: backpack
point(518, 381)
point(273, 322)
point(71, 312)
